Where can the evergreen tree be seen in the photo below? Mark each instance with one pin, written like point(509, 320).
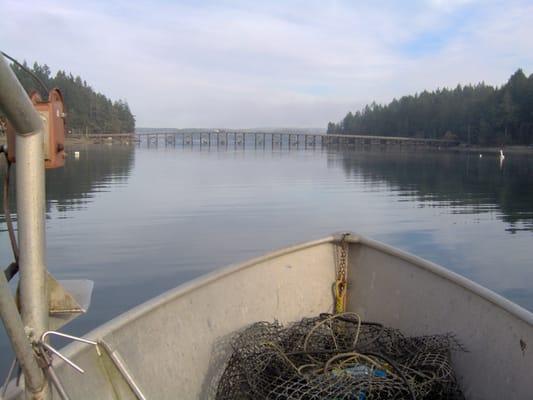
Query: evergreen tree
point(474, 114)
point(87, 111)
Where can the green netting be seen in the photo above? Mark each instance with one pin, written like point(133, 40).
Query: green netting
point(338, 357)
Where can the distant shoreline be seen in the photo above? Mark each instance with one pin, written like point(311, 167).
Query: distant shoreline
point(69, 141)
point(94, 140)
point(461, 148)
point(495, 149)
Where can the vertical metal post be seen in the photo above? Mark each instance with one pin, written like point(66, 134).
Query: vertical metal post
point(30, 189)
point(33, 376)
point(30, 210)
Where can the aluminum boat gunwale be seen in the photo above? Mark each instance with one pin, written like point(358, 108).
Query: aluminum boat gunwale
point(187, 287)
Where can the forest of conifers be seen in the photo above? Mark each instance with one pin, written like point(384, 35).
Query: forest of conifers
point(473, 114)
point(87, 110)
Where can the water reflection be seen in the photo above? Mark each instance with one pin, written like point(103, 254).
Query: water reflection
point(99, 168)
point(139, 221)
point(465, 183)
point(69, 191)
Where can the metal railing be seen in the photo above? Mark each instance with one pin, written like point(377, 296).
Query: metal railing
point(32, 322)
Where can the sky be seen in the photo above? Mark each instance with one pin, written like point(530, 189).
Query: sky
point(245, 64)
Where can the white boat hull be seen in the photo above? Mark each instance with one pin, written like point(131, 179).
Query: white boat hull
point(175, 345)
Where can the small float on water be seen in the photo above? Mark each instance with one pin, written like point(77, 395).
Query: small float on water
point(178, 344)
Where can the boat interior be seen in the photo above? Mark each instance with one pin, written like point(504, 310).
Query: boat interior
point(176, 345)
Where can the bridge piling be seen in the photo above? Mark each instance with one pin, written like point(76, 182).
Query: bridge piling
point(293, 140)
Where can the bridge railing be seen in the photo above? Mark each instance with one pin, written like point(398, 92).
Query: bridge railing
point(324, 139)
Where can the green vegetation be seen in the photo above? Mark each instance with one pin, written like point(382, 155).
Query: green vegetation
point(464, 181)
point(474, 114)
point(87, 110)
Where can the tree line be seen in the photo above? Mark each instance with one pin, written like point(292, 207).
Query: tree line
point(87, 110)
point(473, 114)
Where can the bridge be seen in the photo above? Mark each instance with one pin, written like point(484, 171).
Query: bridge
point(262, 139)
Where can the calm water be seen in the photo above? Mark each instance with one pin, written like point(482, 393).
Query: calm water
point(141, 220)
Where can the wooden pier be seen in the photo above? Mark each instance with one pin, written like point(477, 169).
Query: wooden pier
point(281, 139)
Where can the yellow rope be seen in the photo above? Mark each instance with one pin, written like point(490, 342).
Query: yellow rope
point(341, 283)
point(340, 296)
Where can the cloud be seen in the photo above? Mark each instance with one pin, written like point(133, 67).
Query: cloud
point(240, 64)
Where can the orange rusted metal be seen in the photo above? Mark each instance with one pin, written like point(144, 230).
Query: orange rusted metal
point(52, 113)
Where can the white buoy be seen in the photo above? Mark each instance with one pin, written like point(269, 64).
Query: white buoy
point(481, 155)
point(502, 157)
point(76, 154)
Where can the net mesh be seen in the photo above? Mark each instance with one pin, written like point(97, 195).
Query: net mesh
point(338, 357)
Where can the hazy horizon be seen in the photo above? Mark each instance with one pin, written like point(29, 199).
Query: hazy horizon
point(237, 64)
point(249, 128)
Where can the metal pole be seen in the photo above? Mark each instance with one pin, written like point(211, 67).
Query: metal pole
point(15, 102)
point(33, 376)
point(31, 219)
point(30, 189)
